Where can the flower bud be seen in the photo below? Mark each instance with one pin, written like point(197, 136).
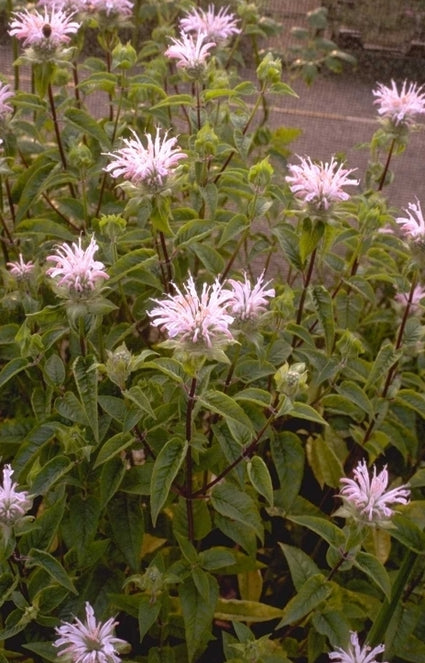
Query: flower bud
point(270, 69)
point(291, 379)
point(124, 56)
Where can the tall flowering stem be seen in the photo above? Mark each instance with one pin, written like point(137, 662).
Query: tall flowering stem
point(189, 466)
point(387, 165)
point(58, 134)
point(307, 280)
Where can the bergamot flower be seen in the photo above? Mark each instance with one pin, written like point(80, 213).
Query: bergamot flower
point(217, 26)
point(14, 504)
point(76, 271)
point(190, 51)
point(400, 107)
point(356, 654)
point(44, 32)
point(413, 226)
point(21, 269)
point(248, 302)
point(5, 94)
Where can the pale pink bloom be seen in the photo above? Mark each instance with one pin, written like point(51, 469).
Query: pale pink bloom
point(150, 165)
point(46, 30)
point(368, 497)
point(71, 6)
point(249, 302)
point(356, 654)
point(89, 641)
point(319, 184)
point(5, 94)
point(13, 504)
point(216, 26)
point(190, 51)
point(195, 319)
point(415, 299)
point(413, 225)
point(76, 268)
point(400, 107)
point(111, 7)
point(20, 268)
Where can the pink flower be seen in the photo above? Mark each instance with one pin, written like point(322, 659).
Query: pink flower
point(415, 299)
point(355, 653)
point(44, 31)
point(413, 225)
point(111, 7)
point(150, 165)
point(13, 504)
point(194, 319)
point(89, 641)
point(19, 268)
point(248, 302)
point(190, 52)
point(5, 94)
point(215, 26)
point(367, 498)
point(400, 107)
point(319, 184)
point(78, 271)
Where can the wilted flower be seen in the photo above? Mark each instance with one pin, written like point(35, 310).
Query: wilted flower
point(413, 225)
point(190, 52)
point(20, 268)
point(5, 94)
point(43, 31)
point(79, 273)
point(248, 302)
point(13, 504)
point(356, 654)
point(89, 641)
point(319, 184)
point(150, 165)
point(192, 319)
point(400, 107)
point(367, 498)
point(216, 26)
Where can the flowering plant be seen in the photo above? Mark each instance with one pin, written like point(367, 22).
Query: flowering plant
point(211, 352)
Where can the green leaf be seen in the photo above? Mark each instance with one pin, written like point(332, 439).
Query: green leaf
point(288, 457)
point(225, 406)
point(332, 624)
point(54, 370)
point(50, 473)
point(42, 227)
point(51, 565)
point(113, 447)
point(324, 307)
point(136, 396)
point(326, 466)
point(35, 184)
point(245, 611)
point(386, 357)
point(237, 505)
point(372, 567)
point(12, 368)
point(289, 242)
point(166, 467)
point(84, 513)
point(88, 125)
point(174, 100)
point(260, 478)
point(127, 524)
point(86, 379)
point(324, 528)
point(411, 399)
point(301, 566)
point(315, 590)
point(356, 395)
point(408, 533)
point(198, 613)
point(209, 257)
point(70, 407)
point(148, 613)
point(303, 411)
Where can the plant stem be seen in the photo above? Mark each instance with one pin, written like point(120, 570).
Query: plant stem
point(305, 288)
point(387, 165)
point(58, 134)
point(189, 467)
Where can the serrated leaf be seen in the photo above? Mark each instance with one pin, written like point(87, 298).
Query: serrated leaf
point(139, 398)
point(260, 478)
point(324, 528)
point(88, 125)
point(236, 505)
point(148, 613)
point(301, 566)
point(288, 457)
point(226, 406)
point(55, 370)
point(376, 571)
point(50, 473)
point(245, 611)
point(324, 307)
point(51, 565)
point(12, 368)
point(411, 399)
point(408, 533)
point(315, 590)
point(34, 185)
point(386, 357)
point(127, 524)
point(326, 466)
point(85, 376)
point(303, 411)
point(112, 447)
point(166, 467)
point(198, 612)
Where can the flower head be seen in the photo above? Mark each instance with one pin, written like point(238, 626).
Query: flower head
point(122, 8)
point(20, 268)
point(413, 299)
point(196, 321)
point(190, 51)
point(13, 504)
point(356, 654)
point(45, 31)
point(151, 165)
point(5, 94)
point(247, 302)
point(89, 641)
point(79, 273)
point(216, 26)
point(319, 184)
point(400, 107)
point(413, 226)
point(367, 498)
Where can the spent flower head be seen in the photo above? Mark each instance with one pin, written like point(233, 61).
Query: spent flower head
point(198, 322)
point(191, 52)
point(367, 498)
point(44, 31)
point(319, 185)
point(216, 25)
point(355, 653)
point(5, 94)
point(89, 641)
point(14, 504)
point(248, 302)
point(150, 166)
point(76, 271)
point(400, 107)
point(413, 226)
point(21, 269)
